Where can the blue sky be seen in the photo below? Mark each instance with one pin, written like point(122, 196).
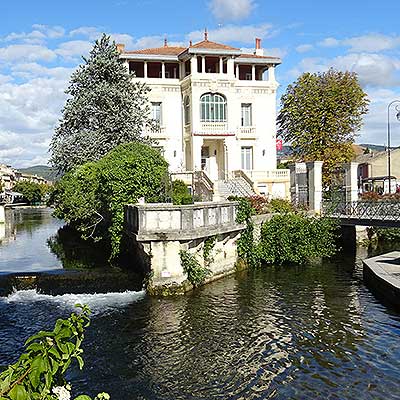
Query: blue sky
point(41, 43)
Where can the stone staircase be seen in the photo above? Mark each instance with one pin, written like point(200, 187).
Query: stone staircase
point(232, 187)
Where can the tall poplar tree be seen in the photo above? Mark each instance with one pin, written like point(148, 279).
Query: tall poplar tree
point(320, 116)
point(105, 109)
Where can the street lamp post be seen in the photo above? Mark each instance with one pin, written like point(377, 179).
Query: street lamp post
point(388, 137)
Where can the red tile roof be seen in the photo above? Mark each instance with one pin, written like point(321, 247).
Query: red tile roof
point(206, 44)
point(163, 51)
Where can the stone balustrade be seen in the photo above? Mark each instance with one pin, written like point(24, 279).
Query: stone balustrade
point(152, 222)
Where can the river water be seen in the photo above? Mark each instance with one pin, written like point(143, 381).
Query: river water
point(313, 332)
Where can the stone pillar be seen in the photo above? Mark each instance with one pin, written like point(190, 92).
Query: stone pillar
point(2, 214)
point(293, 185)
point(193, 65)
point(196, 152)
point(163, 70)
point(221, 65)
point(126, 65)
point(253, 72)
point(230, 67)
point(351, 181)
point(182, 70)
point(203, 64)
point(237, 71)
point(271, 73)
point(314, 169)
point(145, 69)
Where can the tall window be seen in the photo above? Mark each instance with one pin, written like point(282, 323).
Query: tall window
point(156, 112)
point(246, 114)
point(213, 108)
point(186, 105)
point(247, 158)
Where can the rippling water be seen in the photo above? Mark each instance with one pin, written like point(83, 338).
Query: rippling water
point(314, 332)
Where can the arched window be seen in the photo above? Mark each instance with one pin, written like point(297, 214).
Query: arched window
point(186, 106)
point(212, 108)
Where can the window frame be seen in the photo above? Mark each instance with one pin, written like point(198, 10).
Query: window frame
point(213, 107)
point(246, 110)
point(154, 114)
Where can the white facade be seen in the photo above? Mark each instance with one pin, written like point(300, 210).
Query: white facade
point(234, 129)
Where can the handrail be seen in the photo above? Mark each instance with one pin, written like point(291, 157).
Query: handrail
point(241, 174)
point(202, 177)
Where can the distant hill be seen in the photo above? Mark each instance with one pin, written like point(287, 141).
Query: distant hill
point(41, 170)
point(375, 147)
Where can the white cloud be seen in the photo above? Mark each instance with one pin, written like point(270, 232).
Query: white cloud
point(329, 42)
point(35, 70)
point(91, 32)
point(231, 10)
point(37, 35)
point(373, 42)
point(26, 52)
point(304, 48)
point(234, 33)
point(272, 52)
point(375, 70)
point(74, 48)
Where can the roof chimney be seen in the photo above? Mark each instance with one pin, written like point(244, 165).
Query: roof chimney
point(165, 42)
point(120, 48)
point(259, 51)
point(205, 35)
point(190, 43)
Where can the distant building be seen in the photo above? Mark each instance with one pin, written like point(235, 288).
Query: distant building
point(216, 107)
point(373, 170)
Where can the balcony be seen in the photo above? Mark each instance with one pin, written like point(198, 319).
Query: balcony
point(160, 133)
point(275, 175)
point(214, 129)
point(247, 132)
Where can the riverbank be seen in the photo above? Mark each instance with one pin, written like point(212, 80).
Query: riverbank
point(382, 275)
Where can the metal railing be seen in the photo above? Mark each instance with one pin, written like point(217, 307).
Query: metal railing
point(383, 210)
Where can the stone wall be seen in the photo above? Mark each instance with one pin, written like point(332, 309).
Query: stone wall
point(161, 231)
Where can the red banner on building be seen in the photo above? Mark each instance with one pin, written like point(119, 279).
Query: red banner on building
point(279, 144)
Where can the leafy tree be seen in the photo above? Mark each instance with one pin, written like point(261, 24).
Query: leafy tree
point(105, 109)
point(92, 197)
point(320, 115)
point(31, 191)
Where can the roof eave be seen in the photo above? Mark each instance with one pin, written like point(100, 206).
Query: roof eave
point(261, 61)
point(148, 57)
point(217, 52)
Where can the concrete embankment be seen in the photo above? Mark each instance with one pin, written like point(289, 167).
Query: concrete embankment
point(382, 275)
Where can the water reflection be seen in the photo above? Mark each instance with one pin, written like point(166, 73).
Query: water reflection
point(23, 237)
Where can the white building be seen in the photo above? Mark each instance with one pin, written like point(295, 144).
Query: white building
point(217, 110)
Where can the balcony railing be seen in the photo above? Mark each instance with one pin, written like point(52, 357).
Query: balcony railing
point(214, 126)
point(159, 133)
point(247, 132)
point(271, 175)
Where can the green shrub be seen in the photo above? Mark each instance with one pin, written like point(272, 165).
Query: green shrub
point(195, 272)
point(281, 206)
point(180, 193)
point(388, 234)
point(40, 372)
point(92, 197)
point(296, 238)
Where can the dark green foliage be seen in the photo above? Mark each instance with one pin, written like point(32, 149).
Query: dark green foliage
point(33, 192)
point(246, 248)
point(180, 193)
point(43, 171)
point(92, 197)
point(388, 234)
point(296, 238)
point(208, 246)
point(281, 206)
point(104, 109)
point(40, 371)
point(196, 273)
